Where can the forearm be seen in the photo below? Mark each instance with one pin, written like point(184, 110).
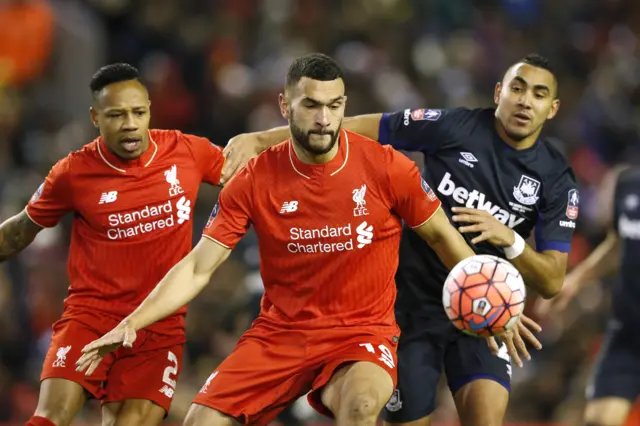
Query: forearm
point(445, 240)
point(181, 285)
point(603, 261)
point(16, 233)
point(541, 271)
point(272, 137)
point(367, 125)
point(451, 249)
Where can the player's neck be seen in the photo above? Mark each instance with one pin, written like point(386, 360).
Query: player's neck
point(520, 145)
point(311, 158)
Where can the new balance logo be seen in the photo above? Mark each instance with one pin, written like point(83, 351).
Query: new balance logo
point(467, 159)
point(108, 197)
point(167, 391)
point(184, 210)
point(289, 207)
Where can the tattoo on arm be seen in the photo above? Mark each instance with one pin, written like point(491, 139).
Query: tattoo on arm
point(16, 233)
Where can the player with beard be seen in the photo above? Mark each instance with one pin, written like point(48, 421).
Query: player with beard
point(131, 191)
point(498, 179)
point(327, 207)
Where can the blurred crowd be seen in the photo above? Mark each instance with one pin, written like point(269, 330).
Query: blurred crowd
point(215, 68)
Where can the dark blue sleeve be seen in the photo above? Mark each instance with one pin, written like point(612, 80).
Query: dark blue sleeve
point(420, 130)
point(557, 215)
point(616, 205)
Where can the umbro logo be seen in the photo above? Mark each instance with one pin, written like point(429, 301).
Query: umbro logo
point(108, 197)
point(289, 207)
point(467, 159)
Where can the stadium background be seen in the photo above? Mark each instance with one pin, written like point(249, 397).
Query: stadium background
point(215, 67)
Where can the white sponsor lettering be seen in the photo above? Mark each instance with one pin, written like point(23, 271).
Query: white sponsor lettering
point(299, 238)
point(127, 225)
point(629, 228)
point(567, 224)
point(477, 200)
point(407, 115)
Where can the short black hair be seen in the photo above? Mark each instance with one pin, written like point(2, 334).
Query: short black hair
point(539, 61)
point(316, 66)
point(113, 73)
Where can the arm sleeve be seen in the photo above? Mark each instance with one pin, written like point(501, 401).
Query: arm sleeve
point(208, 156)
point(231, 216)
point(54, 198)
point(412, 198)
point(421, 130)
point(556, 218)
point(615, 211)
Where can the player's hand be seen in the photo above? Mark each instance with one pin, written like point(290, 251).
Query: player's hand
point(490, 229)
point(92, 354)
point(570, 288)
point(514, 339)
point(239, 150)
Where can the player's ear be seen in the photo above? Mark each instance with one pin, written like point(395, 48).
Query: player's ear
point(94, 117)
point(496, 93)
point(555, 106)
point(284, 105)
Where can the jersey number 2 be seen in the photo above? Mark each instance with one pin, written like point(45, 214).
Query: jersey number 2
point(386, 357)
point(171, 370)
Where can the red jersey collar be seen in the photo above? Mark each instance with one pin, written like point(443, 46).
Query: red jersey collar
point(121, 165)
point(332, 167)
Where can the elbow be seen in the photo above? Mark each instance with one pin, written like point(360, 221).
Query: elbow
point(550, 288)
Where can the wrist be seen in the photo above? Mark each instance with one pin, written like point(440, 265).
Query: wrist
point(130, 322)
point(515, 249)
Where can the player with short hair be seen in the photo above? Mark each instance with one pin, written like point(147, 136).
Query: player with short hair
point(615, 384)
point(498, 179)
point(132, 191)
point(327, 207)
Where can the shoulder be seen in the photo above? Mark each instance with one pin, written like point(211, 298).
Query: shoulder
point(360, 142)
point(176, 139)
point(162, 136)
point(374, 157)
point(467, 117)
point(78, 160)
point(200, 148)
point(271, 156)
point(554, 163)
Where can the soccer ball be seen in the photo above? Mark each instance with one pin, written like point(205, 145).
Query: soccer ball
point(484, 295)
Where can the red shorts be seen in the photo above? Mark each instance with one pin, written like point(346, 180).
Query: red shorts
point(149, 370)
point(272, 366)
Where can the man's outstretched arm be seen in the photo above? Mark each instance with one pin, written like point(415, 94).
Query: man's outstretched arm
point(181, 285)
point(16, 233)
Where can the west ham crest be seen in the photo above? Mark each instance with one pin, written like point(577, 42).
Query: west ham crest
point(527, 191)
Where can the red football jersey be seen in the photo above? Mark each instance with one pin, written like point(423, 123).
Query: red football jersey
point(132, 218)
point(328, 234)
